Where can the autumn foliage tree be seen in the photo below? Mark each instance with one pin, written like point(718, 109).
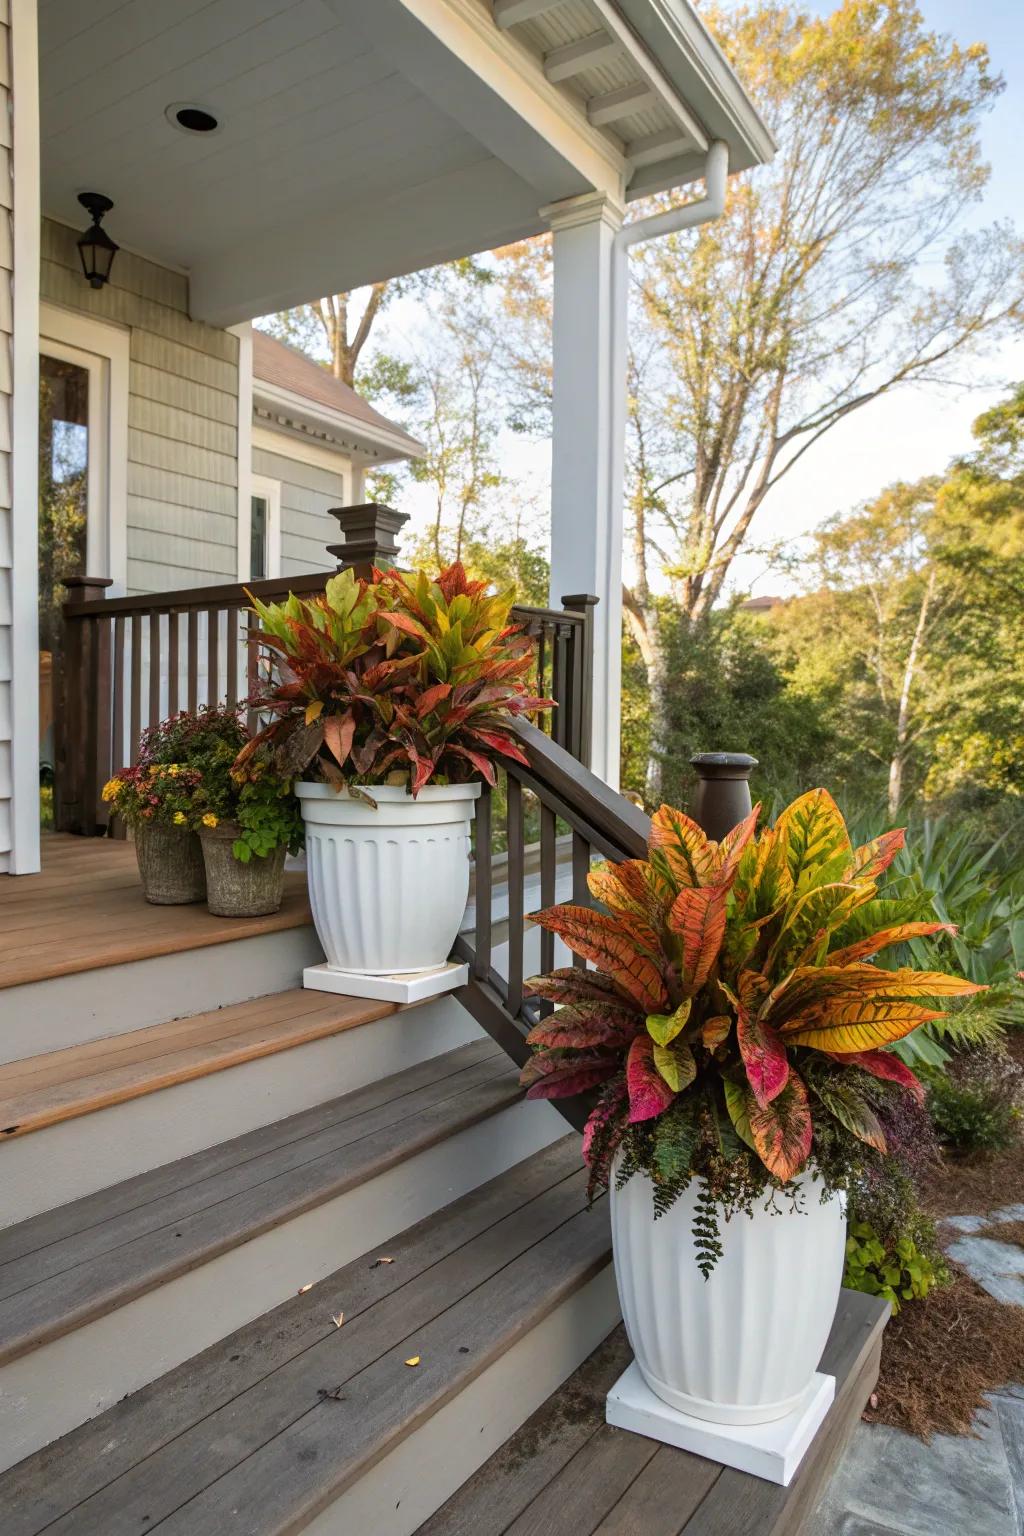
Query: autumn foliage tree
point(839, 273)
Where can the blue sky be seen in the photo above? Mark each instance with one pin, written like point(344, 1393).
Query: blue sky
point(918, 431)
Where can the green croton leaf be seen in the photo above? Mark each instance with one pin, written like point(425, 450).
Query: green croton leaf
point(663, 1027)
point(676, 1064)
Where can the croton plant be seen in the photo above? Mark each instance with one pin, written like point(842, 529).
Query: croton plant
point(736, 1021)
point(397, 679)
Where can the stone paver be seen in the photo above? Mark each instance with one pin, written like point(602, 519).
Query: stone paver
point(891, 1484)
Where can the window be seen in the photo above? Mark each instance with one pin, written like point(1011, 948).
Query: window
point(264, 529)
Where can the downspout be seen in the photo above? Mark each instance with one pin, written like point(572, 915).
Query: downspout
point(689, 216)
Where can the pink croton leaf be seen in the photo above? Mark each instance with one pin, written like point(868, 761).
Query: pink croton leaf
point(882, 1064)
point(558, 1077)
point(649, 1094)
point(782, 1130)
point(761, 1048)
point(597, 1121)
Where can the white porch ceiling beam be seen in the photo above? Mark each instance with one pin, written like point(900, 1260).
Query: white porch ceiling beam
point(610, 106)
point(656, 146)
point(509, 13)
point(619, 30)
point(573, 58)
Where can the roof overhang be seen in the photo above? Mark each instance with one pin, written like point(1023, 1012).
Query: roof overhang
point(362, 140)
point(282, 410)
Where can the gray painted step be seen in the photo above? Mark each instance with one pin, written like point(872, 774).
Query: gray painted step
point(294, 1423)
point(107, 1293)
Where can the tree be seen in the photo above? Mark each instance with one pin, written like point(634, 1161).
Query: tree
point(326, 326)
point(813, 295)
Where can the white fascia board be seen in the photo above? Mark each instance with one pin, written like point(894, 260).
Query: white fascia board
point(379, 444)
point(687, 54)
point(663, 88)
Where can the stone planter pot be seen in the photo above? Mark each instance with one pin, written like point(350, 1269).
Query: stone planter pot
point(388, 887)
point(170, 864)
point(741, 1347)
point(234, 889)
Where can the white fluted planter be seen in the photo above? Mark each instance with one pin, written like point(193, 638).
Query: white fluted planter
point(741, 1347)
point(388, 887)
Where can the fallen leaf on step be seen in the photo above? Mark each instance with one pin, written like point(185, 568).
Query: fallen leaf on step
point(333, 1393)
point(304, 1288)
point(337, 1318)
point(378, 1262)
point(413, 1360)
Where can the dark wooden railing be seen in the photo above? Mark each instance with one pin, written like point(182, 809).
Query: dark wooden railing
point(128, 662)
point(571, 801)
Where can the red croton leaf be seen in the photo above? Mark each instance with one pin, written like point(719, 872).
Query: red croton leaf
point(782, 1130)
point(339, 731)
point(714, 1032)
point(430, 698)
point(573, 985)
point(698, 916)
point(603, 939)
point(599, 1118)
point(586, 1024)
point(882, 1064)
point(677, 843)
point(499, 742)
point(559, 1077)
point(764, 1056)
point(649, 1094)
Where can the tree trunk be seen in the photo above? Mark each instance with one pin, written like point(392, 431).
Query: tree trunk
point(903, 726)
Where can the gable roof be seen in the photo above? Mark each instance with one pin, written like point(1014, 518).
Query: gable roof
point(289, 373)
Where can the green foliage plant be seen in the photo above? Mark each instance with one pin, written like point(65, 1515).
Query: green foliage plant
point(899, 1272)
point(735, 1024)
point(398, 679)
point(977, 1101)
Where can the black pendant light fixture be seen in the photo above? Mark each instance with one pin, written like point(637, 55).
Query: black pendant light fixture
point(95, 246)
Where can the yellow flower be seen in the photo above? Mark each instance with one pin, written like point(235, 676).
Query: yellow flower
point(173, 770)
point(110, 788)
point(179, 818)
point(209, 820)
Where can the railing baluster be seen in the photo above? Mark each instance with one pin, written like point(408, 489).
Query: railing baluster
point(232, 641)
point(154, 669)
point(548, 875)
point(580, 889)
point(192, 675)
point(117, 826)
point(135, 727)
point(212, 655)
point(172, 662)
point(541, 665)
point(559, 722)
point(514, 825)
point(483, 887)
point(252, 665)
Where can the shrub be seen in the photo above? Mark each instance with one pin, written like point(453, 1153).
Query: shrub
point(977, 1101)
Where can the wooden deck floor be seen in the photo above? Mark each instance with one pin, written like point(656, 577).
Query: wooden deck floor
point(86, 910)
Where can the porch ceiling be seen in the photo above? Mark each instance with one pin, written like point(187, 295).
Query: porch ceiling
point(359, 140)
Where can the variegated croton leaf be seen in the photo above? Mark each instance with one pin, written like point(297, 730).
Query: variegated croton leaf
point(737, 978)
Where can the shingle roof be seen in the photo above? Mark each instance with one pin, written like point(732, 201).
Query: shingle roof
point(277, 363)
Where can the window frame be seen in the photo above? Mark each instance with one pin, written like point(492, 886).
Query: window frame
point(269, 491)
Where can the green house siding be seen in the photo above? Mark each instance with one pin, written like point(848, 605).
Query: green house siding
point(182, 497)
point(308, 491)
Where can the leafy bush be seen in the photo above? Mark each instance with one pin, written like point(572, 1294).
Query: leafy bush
point(734, 1022)
point(899, 1272)
point(399, 678)
point(977, 1101)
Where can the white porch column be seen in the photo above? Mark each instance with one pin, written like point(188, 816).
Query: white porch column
point(586, 472)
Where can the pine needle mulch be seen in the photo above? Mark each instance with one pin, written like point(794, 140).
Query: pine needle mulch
point(942, 1356)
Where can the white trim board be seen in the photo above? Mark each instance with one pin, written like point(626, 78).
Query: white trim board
point(272, 440)
point(69, 329)
point(243, 444)
point(24, 424)
point(270, 491)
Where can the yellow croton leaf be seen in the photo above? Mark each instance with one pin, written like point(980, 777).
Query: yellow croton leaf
point(663, 1027)
point(676, 1064)
point(313, 709)
point(857, 1025)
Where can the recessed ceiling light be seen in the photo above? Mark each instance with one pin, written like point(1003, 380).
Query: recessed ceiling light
point(190, 118)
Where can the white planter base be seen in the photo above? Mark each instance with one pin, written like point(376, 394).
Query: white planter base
point(769, 1451)
point(407, 987)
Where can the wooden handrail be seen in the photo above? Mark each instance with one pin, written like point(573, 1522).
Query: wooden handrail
point(601, 822)
point(131, 661)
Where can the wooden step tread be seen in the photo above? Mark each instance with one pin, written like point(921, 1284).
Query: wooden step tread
point(270, 1424)
point(71, 1265)
point(86, 909)
point(41, 1090)
point(568, 1473)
